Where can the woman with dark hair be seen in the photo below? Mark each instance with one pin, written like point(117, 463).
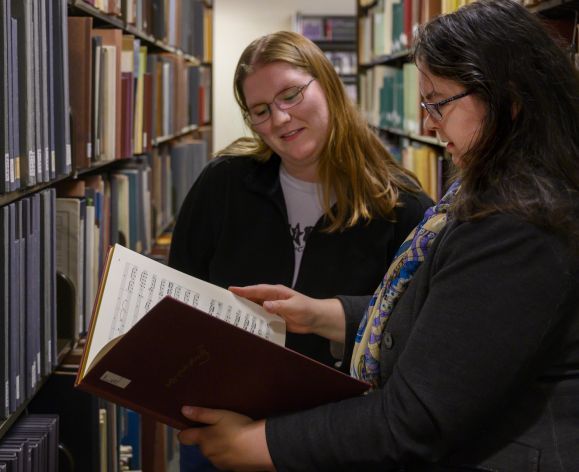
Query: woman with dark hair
point(312, 200)
point(471, 342)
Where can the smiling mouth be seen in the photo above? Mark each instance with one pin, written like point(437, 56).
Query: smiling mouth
point(291, 133)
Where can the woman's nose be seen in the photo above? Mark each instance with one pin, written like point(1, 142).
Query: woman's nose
point(279, 117)
point(429, 123)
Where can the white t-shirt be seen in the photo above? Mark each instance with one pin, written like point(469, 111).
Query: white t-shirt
point(304, 209)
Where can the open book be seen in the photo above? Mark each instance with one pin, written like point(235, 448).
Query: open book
point(160, 339)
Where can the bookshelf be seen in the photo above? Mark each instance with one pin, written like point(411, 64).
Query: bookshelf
point(106, 124)
point(336, 36)
point(551, 7)
point(388, 84)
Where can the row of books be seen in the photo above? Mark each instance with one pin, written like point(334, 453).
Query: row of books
point(336, 36)
point(46, 294)
point(130, 205)
point(107, 438)
point(184, 24)
point(28, 330)
point(428, 163)
point(390, 97)
point(327, 28)
point(387, 27)
point(344, 62)
point(124, 98)
point(34, 129)
point(114, 101)
point(53, 245)
point(31, 445)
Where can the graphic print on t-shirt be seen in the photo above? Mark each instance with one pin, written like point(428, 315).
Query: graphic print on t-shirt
point(299, 236)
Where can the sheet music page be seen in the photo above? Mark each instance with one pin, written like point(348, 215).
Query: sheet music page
point(136, 283)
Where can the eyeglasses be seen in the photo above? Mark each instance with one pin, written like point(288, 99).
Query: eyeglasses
point(433, 109)
point(284, 100)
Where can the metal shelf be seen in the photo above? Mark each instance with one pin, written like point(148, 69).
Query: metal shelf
point(397, 57)
point(432, 141)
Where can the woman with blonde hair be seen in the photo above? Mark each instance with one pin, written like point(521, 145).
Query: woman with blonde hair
point(313, 200)
point(313, 172)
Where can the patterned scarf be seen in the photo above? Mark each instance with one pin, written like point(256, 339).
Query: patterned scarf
point(365, 363)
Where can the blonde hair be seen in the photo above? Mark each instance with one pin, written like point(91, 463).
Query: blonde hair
point(353, 166)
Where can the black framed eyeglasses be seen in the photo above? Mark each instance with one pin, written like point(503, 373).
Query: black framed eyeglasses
point(284, 100)
point(433, 109)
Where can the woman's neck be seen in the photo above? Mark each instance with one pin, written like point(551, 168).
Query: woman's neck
point(306, 173)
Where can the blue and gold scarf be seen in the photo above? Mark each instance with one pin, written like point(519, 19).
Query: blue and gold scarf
point(365, 363)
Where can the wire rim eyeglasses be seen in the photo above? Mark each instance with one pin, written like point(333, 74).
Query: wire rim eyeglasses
point(284, 100)
point(433, 109)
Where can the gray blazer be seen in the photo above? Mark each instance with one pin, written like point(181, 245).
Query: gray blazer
point(479, 365)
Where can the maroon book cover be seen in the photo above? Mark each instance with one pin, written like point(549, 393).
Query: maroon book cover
point(177, 355)
point(80, 77)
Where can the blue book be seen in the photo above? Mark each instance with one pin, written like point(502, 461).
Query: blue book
point(133, 437)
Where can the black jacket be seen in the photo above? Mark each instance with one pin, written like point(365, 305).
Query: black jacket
point(233, 230)
point(479, 365)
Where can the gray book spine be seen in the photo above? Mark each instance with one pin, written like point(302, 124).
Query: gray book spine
point(14, 111)
point(4, 312)
point(22, 12)
point(4, 99)
point(61, 89)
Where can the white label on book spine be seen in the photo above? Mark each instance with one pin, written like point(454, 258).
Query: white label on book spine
point(53, 159)
point(38, 364)
point(31, 162)
point(18, 387)
point(68, 155)
point(115, 379)
point(89, 150)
